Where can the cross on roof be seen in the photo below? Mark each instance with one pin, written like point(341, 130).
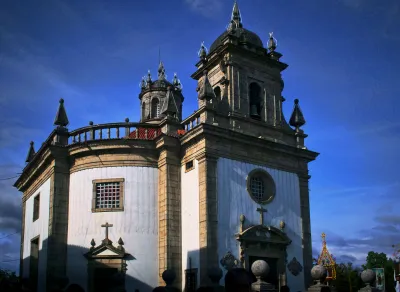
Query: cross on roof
point(261, 210)
point(107, 226)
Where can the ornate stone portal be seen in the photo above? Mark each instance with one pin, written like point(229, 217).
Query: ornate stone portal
point(263, 242)
point(106, 263)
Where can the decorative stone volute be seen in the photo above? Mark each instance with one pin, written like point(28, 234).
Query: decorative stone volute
point(260, 270)
point(368, 277)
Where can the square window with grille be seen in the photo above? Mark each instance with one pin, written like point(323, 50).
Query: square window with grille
point(108, 195)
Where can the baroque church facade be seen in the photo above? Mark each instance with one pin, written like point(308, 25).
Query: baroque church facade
point(222, 187)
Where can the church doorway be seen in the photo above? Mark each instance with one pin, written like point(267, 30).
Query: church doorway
point(34, 263)
point(272, 276)
point(103, 279)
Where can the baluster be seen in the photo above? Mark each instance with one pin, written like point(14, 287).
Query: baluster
point(92, 134)
point(101, 134)
point(137, 132)
point(85, 136)
point(117, 132)
point(127, 128)
point(79, 138)
point(198, 120)
point(73, 139)
point(108, 133)
point(145, 133)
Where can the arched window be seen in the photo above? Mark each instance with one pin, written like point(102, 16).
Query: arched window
point(155, 108)
point(217, 92)
point(255, 100)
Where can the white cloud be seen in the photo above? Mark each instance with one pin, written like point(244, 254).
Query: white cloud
point(208, 8)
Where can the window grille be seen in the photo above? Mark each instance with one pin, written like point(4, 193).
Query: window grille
point(257, 188)
point(108, 195)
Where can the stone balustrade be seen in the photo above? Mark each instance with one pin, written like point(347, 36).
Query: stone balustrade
point(109, 131)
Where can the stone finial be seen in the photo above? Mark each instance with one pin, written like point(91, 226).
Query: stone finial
point(272, 42)
point(202, 52)
point(236, 19)
point(31, 153)
point(297, 119)
point(282, 224)
point(143, 83)
point(92, 243)
point(176, 82)
point(61, 118)
point(318, 274)
point(260, 270)
point(91, 123)
point(205, 90)
point(368, 277)
point(120, 244)
point(161, 71)
point(169, 277)
point(126, 120)
point(148, 80)
point(215, 274)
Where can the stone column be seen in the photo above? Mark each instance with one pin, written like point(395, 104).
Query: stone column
point(169, 210)
point(58, 218)
point(208, 215)
point(306, 227)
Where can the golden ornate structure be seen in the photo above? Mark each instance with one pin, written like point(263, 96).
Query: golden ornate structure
point(325, 259)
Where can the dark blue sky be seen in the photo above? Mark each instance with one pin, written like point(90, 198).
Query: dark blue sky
point(343, 58)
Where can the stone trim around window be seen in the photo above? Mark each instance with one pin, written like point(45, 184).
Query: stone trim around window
point(269, 188)
point(121, 182)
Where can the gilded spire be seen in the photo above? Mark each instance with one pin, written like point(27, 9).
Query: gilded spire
point(297, 119)
point(61, 118)
point(323, 236)
point(31, 153)
point(161, 71)
point(236, 19)
point(206, 91)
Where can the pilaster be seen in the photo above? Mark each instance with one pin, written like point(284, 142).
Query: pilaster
point(21, 252)
point(58, 218)
point(306, 228)
point(169, 206)
point(208, 215)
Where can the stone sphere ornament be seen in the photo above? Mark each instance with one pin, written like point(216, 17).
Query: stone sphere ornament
point(318, 272)
point(260, 269)
point(215, 274)
point(368, 276)
point(168, 276)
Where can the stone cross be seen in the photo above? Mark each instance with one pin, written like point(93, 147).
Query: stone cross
point(261, 210)
point(107, 226)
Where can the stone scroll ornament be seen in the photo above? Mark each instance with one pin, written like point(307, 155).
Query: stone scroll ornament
point(295, 267)
point(229, 261)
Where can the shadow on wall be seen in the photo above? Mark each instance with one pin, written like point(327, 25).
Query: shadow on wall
point(102, 273)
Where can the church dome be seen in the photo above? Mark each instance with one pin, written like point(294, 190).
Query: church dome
point(236, 30)
point(244, 35)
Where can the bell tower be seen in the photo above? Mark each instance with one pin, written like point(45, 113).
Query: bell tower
point(246, 82)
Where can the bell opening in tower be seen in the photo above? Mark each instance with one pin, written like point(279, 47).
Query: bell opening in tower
point(255, 101)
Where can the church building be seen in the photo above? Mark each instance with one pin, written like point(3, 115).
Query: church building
point(120, 203)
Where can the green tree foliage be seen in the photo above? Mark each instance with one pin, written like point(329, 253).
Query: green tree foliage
point(380, 260)
point(5, 274)
point(347, 278)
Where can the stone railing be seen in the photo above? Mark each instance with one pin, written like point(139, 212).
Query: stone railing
point(191, 122)
point(110, 131)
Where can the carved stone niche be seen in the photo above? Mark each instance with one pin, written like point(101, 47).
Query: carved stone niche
point(264, 242)
point(107, 258)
